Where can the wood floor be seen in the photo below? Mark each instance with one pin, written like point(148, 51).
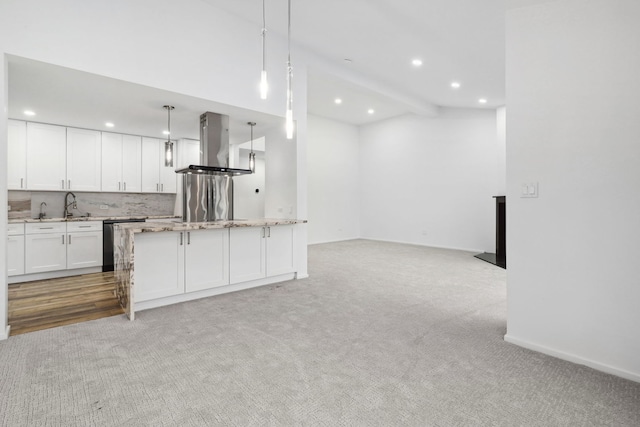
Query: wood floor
point(50, 303)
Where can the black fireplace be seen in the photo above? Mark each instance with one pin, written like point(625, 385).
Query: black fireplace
point(500, 257)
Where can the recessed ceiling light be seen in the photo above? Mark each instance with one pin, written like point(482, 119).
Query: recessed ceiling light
point(109, 124)
point(371, 111)
point(165, 132)
point(455, 85)
point(348, 61)
point(417, 62)
point(338, 101)
point(482, 101)
point(29, 113)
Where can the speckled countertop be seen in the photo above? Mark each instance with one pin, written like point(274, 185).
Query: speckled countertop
point(150, 226)
point(89, 218)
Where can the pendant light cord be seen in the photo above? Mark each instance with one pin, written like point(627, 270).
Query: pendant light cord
point(264, 35)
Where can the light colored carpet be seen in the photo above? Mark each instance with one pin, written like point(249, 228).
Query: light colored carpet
point(381, 335)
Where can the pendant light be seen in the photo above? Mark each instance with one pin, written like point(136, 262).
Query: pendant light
point(289, 112)
point(264, 86)
point(252, 155)
point(168, 145)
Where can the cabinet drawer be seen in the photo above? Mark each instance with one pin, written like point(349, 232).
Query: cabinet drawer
point(15, 229)
point(45, 227)
point(84, 226)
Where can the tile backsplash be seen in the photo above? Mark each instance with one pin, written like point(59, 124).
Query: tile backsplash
point(26, 204)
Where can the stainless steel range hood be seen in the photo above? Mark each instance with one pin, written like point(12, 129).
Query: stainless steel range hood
point(214, 148)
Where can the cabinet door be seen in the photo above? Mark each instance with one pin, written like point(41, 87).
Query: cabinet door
point(280, 253)
point(111, 162)
point(150, 165)
point(206, 262)
point(84, 249)
point(131, 163)
point(168, 178)
point(17, 155)
point(83, 159)
point(159, 265)
point(46, 157)
point(246, 254)
point(45, 252)
point(188, 153)
point(15, 255)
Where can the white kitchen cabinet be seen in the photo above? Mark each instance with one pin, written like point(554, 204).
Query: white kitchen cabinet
point(45, 247)
point(17, 155)
point(121, 162)
point(156, 177)
point(247, 259)
point(15, 249)
point(259, 252)
point(46, 157)
point(206, 259)
point(84, 164)
point(172, 263)
point(84, 244)
point(159, 265)
point(280, 253)
point(188, 153)
point(53, 246)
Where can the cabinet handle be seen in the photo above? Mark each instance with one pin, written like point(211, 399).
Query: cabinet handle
point(157, 187)
point(125, 186)
point(180, 239)
point(69, 238)
point(63, 184)
point(21, 182)
point(269, 229)
point(118, 185)
point(69, 187)
point(162, 187)
point(45, 228)
point(188, 237)
point(263, 232)
point(84, 226)
point(63, 239)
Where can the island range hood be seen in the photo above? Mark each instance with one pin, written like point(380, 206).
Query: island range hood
point(214, 148)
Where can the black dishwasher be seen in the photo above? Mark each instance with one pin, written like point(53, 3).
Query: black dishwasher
point(107, 241)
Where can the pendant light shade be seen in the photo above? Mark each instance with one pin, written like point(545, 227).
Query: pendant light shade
point(168, 145)
point(289, 112)
point(264, 86)
point(252, 155)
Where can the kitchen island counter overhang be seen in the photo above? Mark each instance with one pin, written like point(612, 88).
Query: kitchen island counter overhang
point(159, 263)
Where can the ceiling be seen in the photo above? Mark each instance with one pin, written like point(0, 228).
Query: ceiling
point(78, 99)
point(456, 40)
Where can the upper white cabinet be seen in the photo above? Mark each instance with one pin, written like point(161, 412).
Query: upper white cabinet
point(46, 157)
point(156, 177)
point(121, 162)
point(17, 155)
point(188, 153)
point(84, 159)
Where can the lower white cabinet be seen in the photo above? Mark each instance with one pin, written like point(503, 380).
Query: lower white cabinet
point(15, 249)
point(259, 252)
point(52, 246)
point(174, 262)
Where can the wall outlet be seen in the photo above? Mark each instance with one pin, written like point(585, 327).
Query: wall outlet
point(529, 190)
point(104, 207)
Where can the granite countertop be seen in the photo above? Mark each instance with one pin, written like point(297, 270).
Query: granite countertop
point(146, 227)
point(90, 218)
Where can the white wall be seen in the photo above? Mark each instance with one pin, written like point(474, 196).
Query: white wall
point(333, 159)
point(129, 41)
point(573, 126)
point(430, 181)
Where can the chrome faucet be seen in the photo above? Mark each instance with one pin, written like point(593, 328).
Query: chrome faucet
point(73, 204)
point(42, 212)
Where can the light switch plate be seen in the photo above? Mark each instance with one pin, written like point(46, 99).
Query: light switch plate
point(529, 190)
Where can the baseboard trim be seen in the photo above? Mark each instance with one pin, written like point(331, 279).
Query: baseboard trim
point(453, 248)
point(346, 239)
point(6, 334)
point(573, 358)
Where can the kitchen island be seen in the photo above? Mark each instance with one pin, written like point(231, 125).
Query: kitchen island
point(162, 263)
